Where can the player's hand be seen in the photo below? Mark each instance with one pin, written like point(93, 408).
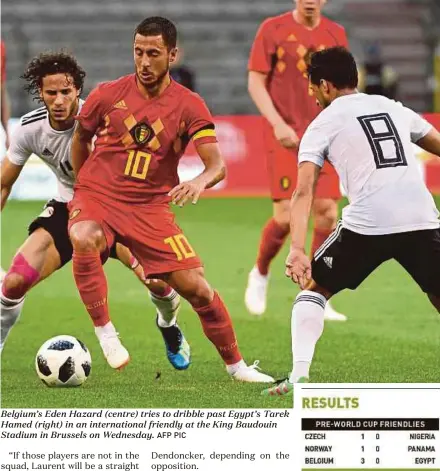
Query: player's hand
point(298, 267)
point(190, 190)
point(139, 272)
point(286, 136)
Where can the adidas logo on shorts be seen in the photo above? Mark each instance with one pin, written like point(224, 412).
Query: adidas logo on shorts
point(328, 261)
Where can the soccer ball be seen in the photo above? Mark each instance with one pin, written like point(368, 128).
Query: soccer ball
point(63, 361)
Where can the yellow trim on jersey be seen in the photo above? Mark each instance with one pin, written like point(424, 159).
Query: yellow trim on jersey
point(158, 126)
point(154, 144)
point(130, 122)
point(204, 133)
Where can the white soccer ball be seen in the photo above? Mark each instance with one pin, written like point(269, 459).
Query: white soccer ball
point(63, 361)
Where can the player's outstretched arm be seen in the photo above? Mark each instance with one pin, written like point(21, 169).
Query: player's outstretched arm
point(9, 174)
point(298, 266)
point(431, 142)
point(81, 147)
point(260, 96)
point(214, 172)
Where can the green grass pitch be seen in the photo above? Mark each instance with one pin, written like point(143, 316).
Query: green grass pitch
point(393, 333)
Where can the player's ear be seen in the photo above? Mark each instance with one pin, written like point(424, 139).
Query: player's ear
point(173, 55)
point(40, 93)
point(325, 85)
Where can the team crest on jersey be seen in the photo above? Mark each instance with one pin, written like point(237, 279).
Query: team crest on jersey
point(285, 183)
point(141, 133)
point(74, 213)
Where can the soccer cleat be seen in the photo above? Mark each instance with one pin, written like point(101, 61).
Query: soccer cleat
point(331, 315)
point(256, 292)
point(250, 374)
point(115, 353)
point(177, 348)
point(283, 387)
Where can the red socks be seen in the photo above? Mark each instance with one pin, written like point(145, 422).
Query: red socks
point(319, 236)
point(272, 240)
point(217, 326)
point(92, 285)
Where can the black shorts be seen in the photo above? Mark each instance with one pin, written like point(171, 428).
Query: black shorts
point(54, 219)
point(346, 258)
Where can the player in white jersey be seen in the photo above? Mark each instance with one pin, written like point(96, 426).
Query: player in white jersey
point(390, 215)
point(57, 80)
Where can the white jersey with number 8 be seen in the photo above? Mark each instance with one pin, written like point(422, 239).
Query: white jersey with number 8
point(368, 139)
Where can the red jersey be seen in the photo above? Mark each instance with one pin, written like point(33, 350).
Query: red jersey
point(281, 49)
point(139, 140)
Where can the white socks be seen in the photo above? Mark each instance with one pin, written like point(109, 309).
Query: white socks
point(232, 369)
point(105, 330)
point(10, 312)
point(166, 308)
point(307, 327)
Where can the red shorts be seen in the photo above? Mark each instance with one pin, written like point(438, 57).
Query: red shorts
point(282, 165)
point(148, 230)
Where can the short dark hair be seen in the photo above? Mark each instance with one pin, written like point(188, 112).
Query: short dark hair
point(155, 25)
point(336, 65)
point(51, 63)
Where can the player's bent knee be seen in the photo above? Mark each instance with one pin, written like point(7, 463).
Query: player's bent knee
point(281, 214)
point(283, 221)
point(282, 218)
point(19, 279)
point(202, 296)
point(86, 236)
point(13, 283)
point(195, 289)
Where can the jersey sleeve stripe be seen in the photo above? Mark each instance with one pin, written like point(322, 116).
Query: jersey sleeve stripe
point(34, 113)
point(30, 118)
point(204, 133)
point(30, 121)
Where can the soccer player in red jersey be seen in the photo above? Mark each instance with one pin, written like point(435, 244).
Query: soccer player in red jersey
point(143, 123)
point(57, 80)
point(278, 85)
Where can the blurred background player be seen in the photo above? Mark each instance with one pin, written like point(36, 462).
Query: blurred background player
point(278, 85)
point(369, 140)
point(144, 122)
point(57, 80)
point(182, 73)
point(375, 76)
